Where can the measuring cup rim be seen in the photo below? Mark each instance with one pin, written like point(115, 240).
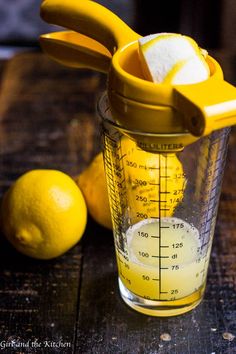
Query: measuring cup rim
point(137, 132)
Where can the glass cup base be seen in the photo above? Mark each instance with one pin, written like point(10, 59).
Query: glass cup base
point(161, 308)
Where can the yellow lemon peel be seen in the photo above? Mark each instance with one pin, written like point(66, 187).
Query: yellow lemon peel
point(43, 214)
point(172, 58)
point(92, 182)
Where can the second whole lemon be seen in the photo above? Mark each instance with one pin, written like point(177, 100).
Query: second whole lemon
point(43, 214)
point(140, 166)
point(92, 182)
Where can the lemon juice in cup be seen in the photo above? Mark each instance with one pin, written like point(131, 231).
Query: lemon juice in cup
point(182, 268)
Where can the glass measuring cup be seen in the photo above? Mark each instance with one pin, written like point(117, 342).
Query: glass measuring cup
point(164, 207)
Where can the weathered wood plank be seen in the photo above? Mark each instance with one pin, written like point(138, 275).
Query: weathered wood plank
point(46, 121)
point(38, 301)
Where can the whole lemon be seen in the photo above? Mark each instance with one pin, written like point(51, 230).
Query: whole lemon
point(139, 167)
point(92, 182)
point(43, 214)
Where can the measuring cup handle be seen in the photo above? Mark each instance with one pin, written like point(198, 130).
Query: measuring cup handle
point(91, 19)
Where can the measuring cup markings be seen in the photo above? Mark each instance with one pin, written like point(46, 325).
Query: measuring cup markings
point(214, 150)
point(161, 190)
point(212, 182)
point(217, 147)
point(161, 268)
point(115, 183)
point(170, 268)
point(163, 228)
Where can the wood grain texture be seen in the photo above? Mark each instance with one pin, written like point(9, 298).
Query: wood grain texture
point(47, 121)
point(47, 116)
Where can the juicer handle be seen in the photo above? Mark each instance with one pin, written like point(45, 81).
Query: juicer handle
point(76, 50)
point(206, 106)
point(90, 19)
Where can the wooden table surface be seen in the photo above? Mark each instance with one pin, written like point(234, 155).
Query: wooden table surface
point(71, 304)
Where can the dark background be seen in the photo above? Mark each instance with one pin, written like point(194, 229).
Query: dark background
point(210, 22)
point(197, 18)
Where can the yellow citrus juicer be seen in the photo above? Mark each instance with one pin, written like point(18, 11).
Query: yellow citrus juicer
point(176, 115)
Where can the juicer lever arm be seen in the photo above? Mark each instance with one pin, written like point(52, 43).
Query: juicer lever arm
point(206, 106)
point(90, 19)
